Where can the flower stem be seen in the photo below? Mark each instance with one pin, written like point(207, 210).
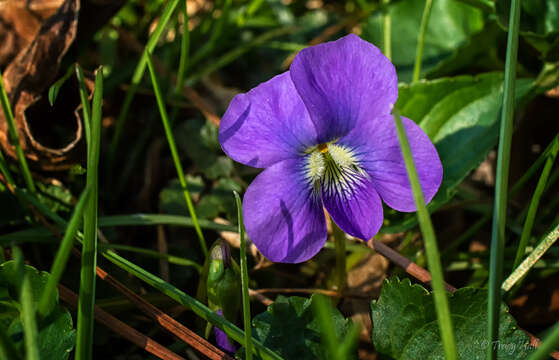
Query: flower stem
point(501, 185)
point(431, 249)
point(421, 39)
point(339, 245)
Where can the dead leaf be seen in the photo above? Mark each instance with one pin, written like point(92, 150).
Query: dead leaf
point(19, 22)
point(27, 78)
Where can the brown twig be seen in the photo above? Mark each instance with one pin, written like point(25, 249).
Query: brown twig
point(121, 328)
point(165, 321)
point(411, 268)
point(330, 293)
point(263, 299)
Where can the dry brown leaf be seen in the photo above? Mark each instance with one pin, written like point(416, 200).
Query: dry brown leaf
point(19, 22)
point(26, 79)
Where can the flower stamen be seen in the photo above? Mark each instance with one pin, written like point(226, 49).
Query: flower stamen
point(335, 169)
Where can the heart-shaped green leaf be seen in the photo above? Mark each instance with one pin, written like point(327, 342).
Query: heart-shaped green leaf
point(405, 324)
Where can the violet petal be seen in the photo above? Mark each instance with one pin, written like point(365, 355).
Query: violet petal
point(343, 83)
point(222, 340)
point(376, 143)
point(268, 124)
point(358, 212)
point(282, 217)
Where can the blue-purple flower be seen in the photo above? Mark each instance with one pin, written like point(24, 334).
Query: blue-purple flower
point(324, 134)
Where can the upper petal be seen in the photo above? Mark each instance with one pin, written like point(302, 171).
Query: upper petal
point(268, 124)
point(281, 215)
point(378, 149)
point(357, 209)
point(343, 83)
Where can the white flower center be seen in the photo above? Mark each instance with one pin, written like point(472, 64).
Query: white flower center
point(335, 169)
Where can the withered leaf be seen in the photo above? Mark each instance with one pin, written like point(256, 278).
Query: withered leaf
point(26, 79)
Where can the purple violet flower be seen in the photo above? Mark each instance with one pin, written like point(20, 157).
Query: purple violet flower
point(324, 134)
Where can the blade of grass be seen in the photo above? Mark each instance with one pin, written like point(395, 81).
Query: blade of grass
point(386, 30)
point(86, 317)
point(86, 107)
point(160, 219)
point(244, 280)
point(197, 307)
point(61, 258)
point(29, 322)
point(421, 40)
point(14, 137)
point(5, 171)
point(177, 260)
point(547, 346)
point(431, 249)
point(534, 204)
point(501, 185)
point(520, 271)
point(137, 77)
point(185, 49)
point(175, 154)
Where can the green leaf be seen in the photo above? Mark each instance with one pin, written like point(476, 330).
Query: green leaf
point(56, 333)
point(290, 328)
point(450, 25)
point(55, 88)
point(405, 324)
point(461, 117)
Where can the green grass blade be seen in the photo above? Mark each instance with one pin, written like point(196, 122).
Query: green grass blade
point(61, 258)
point(138, 74)
point(197, 307)
point(29, 322)
point(501, 185)
point(520, 271)
point(421, 40)
point(14, 137)
point(185, 50)
point(86, 303)
point(5, 171)
point(431, 249)
point(534, 204)
point(386, 30)
point(175, 155)
point(548, 345)
point(160, 219)
point(244, 280)
point(177, 260)
point(86, 107)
